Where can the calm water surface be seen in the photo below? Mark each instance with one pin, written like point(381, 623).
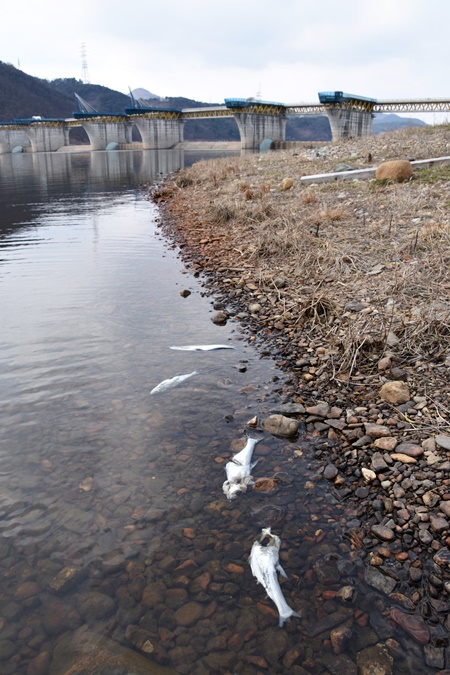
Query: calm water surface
point(114, 530)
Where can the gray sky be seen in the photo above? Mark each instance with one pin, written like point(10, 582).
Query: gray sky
point(208, 50)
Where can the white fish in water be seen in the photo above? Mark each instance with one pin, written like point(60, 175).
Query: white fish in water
point(239, 469)
point(202, 348)
point(172, 382)
point(265, 563)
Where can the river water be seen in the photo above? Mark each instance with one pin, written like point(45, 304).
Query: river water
point(115, 535)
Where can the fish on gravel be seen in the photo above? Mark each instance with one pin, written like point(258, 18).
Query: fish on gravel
point(239, 469)
point(202, 348)
point(264, 562)
point(172, 382)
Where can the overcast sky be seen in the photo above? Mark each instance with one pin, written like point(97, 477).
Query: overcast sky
point(208, 50)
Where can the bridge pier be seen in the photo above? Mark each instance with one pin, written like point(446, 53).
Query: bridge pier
point(107, 130)
point(159, 133)
point(12, 138)
point(254, 127)
point(349, 123)
point(47, 137)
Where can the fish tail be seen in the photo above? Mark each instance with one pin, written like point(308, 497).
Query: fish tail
point(286, 616)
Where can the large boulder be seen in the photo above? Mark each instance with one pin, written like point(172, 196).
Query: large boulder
point(397, 170)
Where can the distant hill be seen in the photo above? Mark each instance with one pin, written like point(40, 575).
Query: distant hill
point(388, 122)
point(144, 94)
point(24, 96)
point(101, 98)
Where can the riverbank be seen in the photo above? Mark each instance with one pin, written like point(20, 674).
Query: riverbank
point(347, 286)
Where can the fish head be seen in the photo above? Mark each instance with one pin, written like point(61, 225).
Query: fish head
point(233, 487)
point(274, 540)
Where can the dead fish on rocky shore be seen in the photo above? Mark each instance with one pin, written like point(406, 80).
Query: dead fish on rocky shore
point(202, 348)
point(239, 469)
point(264, 562)
point(172, 382)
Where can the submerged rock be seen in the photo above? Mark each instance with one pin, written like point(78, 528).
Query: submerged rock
point(89, 652)
point(412, 624)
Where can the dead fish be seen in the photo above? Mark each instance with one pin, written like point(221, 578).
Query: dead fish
point(171, 382)
point(202, 348)
point(239, 469)
point(264, 562)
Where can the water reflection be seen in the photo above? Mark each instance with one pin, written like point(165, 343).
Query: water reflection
point(28, 180)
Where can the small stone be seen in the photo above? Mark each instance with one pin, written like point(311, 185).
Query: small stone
point(430, 499)
point(368, 475)
point(443, 442)
point(287, 183)
point(340, 637)
point(346, 593)
point(377, 430)
point(445, 508)
point(384, 363)
point(387, 444)
point(442, 558)
point(435, 657)
point(375, 660)
point(67, 578)
point(425, 537)
point(410, 449)
point(220, 318)
point(289, 409)
point(188, 614)
point(405, 459)
point(321, 409)
point(429, 444)
point(330, 472)
point(279, 425)
point(438, 524)
point(382, 532)
point(412, 624)
point(378, 463)
point(395, 392)
point(185, 293)
point(378, 580)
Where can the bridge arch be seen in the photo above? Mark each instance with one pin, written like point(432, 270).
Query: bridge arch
point(104, 130)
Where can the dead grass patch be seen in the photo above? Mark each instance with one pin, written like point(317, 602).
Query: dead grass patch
point(388, 246)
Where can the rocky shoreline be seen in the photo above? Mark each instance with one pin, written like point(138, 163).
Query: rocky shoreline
point(374, 403)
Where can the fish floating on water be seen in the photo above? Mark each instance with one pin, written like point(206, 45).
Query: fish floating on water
point(239, 469)
point(171, 382)
point(202, 348)
point(264, 562)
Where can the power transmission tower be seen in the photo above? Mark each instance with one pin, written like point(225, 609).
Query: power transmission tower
point(84, 66)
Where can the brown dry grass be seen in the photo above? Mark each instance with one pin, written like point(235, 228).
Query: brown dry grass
point(387, 246)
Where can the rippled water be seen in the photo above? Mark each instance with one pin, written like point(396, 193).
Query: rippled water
point(112, 518)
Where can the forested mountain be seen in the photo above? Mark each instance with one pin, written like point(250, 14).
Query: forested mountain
point(22, 95)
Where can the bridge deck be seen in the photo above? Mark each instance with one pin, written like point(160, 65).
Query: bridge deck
point(392, 106)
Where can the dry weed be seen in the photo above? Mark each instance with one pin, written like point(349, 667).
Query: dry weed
point(309, 197)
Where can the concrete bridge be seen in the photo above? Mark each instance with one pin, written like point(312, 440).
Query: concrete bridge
point(350, 115)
